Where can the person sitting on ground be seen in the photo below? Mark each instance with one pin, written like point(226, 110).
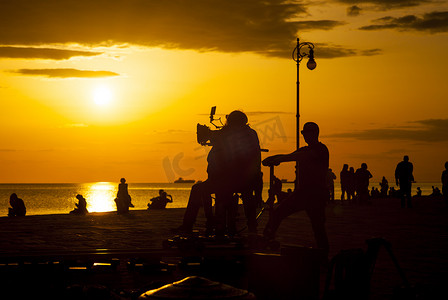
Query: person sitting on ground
point(436, 192)
point(160, 201)
point(419, 192)
point(123, 199)
point(17, 208)
point(81, 206)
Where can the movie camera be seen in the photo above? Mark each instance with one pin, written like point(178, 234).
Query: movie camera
point(204, 133)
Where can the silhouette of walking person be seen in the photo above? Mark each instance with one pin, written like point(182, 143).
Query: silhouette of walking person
point(81, 206)
point(445, 183)
point(234, 165)
point(344, 179)
point(312, 193)
point(362, 176)
point(17, 208)
point(404, 179)
point(123, 199)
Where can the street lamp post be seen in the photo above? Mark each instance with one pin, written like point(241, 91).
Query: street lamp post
point(305, 49)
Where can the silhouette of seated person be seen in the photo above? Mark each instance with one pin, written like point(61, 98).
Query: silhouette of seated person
point(311, 194)
point(234, 165)
point(419, 192)
point(123, 200)
point(81, 206)
point(393, 192)
point(17, 208)
point(160, 201)
point(436, 192)
point(375, 193)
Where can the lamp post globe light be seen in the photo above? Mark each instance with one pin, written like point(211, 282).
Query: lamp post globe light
point(302, 50)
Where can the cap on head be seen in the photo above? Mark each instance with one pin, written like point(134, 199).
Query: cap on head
point(310, 127)
point(237, 118)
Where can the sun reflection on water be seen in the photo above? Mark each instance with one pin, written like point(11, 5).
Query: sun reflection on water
point(100, 197)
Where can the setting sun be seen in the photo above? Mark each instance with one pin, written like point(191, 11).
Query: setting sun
point(102, 95)
point(101, 196)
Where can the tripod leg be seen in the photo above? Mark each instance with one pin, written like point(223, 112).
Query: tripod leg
point(397, 266)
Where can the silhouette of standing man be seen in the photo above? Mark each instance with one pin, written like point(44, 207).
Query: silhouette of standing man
point(312, 193)
point(344, 177)
point(445, 183)
point(404, 179)
point(362, 177)
point(330, 184)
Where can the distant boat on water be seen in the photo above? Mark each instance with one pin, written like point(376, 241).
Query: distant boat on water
point(181, 180)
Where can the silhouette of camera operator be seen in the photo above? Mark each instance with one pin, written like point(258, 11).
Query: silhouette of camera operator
point(312, 193)
point(234, 165)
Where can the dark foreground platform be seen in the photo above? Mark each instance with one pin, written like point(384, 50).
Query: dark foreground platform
point(46, 255)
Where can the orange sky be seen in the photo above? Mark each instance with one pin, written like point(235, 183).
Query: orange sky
point(108, 89)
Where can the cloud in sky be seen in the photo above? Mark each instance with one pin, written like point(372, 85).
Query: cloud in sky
point(333, 51)
point(65, 73)
point(433, 22)
point(430, 130)
point(353, 11)
point(42, 53)
point(263, 27)
point(387, 4)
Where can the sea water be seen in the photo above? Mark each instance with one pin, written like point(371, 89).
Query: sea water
point(57, 198)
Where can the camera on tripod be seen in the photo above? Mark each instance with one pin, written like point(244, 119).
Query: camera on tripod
point(204, 134)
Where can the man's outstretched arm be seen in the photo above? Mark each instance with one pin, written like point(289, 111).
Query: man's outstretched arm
point(275, 160)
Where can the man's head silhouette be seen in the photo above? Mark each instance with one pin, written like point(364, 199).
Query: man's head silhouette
point(406, 158)
point(310, 132)
point(236, 119)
